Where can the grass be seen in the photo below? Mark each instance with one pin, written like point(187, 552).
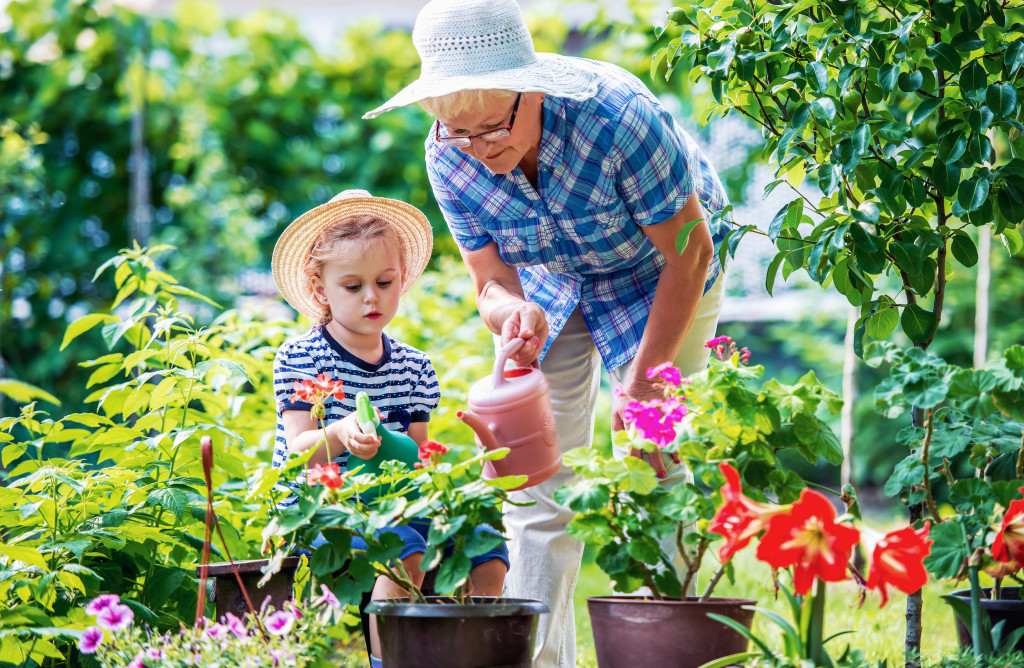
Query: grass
point(879, 633)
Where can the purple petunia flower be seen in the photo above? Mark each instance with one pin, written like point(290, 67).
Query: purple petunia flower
point(327, 598)
point(217, 631)
point(235, 625)
point(279, 623)
point(136, 662)
point(90, 640)
point(100, 602)
point(115, 617)
point(155, 653)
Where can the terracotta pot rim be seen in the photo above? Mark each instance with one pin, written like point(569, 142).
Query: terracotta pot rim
point(689, 600)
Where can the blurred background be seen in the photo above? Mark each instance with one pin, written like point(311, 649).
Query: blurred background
point(209, 126)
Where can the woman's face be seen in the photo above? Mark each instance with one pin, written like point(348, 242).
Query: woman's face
point(503, 156)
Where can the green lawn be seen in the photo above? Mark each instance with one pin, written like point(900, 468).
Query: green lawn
point(878, 632)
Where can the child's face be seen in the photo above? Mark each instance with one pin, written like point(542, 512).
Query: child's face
point(361, 283)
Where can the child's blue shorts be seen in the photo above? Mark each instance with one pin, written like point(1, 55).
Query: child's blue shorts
point(414, 535)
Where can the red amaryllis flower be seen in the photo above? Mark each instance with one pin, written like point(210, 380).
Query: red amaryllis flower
point(739, 519)
point(898, 560)
point(428, 448)
point(808, 538)
point(1009, 543)
point(328, 475)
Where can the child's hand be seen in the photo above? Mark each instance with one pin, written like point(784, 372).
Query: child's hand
point(353, 439)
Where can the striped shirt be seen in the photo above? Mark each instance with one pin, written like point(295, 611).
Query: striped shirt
point(402, 385)
point(606, 167)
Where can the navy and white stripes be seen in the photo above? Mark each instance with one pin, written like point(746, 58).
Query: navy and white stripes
point(402, 385)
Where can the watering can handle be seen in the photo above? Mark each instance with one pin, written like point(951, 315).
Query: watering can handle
point(498, 374)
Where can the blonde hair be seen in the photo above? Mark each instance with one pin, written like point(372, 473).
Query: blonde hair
point(461, 101)
point(364, 228)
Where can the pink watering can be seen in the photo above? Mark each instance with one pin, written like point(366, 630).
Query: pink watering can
point(511, 409)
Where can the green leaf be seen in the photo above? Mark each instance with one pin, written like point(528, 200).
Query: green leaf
point(591, 529)
point(169, 498)
point(964, 250)
point(633, 475)
point(644, 549)
point(453, 572)
point(888, 75)
point(979, 119)
point(944, 56)
point(29, 555)
point(583, 495)
point(952, 146)
point(883, 322)
point(817, 76)
point(24, 393)
point(917, 323)
point(973, 77)
point(946, 177)
point(972, 193)
point(82, 325)
point(823, 109)
point(925, 109)
point(911, 81)
point(949, 552)
point(1013, 57)
point(1001, 99)
point(683, 238)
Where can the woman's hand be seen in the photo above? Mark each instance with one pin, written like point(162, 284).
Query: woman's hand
point(526, 321)
point(639, 390)
point(348, 434)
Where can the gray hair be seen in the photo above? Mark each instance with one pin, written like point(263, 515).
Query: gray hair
point(460, 101)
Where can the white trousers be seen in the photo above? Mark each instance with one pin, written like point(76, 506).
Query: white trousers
point(545, 560)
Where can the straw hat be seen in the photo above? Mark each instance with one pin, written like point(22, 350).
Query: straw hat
point(485, 44)
point(296, 242)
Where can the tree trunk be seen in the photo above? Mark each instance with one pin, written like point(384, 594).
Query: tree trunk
point(849, 397)
point(140, 218)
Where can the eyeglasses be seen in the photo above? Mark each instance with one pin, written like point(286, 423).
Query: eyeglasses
point(489, 136)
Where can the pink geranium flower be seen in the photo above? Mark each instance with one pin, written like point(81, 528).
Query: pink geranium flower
point(115, 617)
point(90, 640)
point(656, 420)
point(100, 602)
point(667, 372)
point(217, 631)
point(136, 662)
point(279, 623)
point(718, 341)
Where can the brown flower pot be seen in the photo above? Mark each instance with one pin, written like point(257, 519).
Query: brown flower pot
point(631, 631)
point(1008, 607)
point(488, 632)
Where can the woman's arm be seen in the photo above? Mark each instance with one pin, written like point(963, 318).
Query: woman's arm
point(502, 304)
point(676, 300)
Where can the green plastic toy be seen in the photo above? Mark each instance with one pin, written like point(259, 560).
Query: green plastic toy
point(392, 445)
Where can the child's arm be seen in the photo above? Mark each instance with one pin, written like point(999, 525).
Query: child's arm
point(303, 433)
point(418, 432)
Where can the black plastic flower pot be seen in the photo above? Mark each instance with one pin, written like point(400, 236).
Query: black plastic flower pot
point(441, 632)
point(631, 631)
point(1008, 607)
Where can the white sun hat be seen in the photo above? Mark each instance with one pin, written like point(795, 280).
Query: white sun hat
point(296, 242)
point(485, 45)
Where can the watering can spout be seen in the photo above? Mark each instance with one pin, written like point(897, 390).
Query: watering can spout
point(482, 430)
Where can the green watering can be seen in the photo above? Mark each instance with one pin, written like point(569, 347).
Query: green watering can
point(392, 446)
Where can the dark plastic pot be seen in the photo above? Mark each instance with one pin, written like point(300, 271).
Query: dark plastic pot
point(488, 632)
point(631, 631)
point(1007, 607)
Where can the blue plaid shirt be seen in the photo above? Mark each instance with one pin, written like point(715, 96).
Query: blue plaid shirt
point(606, 167)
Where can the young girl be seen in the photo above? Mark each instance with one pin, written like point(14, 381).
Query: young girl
point(345, 264)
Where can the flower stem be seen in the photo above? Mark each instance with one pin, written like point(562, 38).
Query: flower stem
point(816, 627)
point(714, 581)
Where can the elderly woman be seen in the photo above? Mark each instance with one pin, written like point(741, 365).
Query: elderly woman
point(565, 184)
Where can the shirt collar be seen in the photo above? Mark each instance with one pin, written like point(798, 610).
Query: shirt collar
point(552, 141)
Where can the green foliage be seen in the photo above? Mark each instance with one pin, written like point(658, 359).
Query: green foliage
point(966, 659)
point(904, 115)
point(112, 501)
point(732, 417)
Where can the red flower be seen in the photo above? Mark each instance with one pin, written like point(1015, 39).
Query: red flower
point(303, 391)
point(739, 519)
point(325, 386)
point(328, 475)
point(1009, 543)
point(898, 560)
point(808, 538)
point(428, 448)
